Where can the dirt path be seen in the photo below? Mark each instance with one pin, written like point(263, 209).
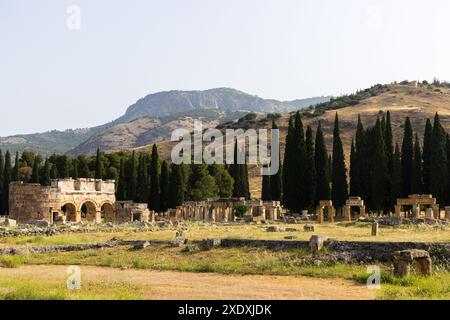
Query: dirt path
point(195, 286)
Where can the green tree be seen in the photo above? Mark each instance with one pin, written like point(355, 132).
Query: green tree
point(276, 180)
point(122, 183)
point(416, 178)
point(339, 191)
point(132, 178)
point(99, 167)
point(407, 158)
point(155, 173)
point(35, 176)
point(265, 193)
point(426, 157)
point(438, 170)
point(142, 188)
point(176, 188)
point(321, 166)
point(164, 187)
point(389, 145)
point(397, 174)
point(224, 181)
point(310, 169)
point(7, 174)
point(16, 172)
point(45, 177)
point(379, 171)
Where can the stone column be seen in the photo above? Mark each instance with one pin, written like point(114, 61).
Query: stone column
point(375, 229)
point(416, 211)
point(398, 211)
point(429, 213)
point(319, 212)
point(362, 211)
point(330, 214)
point(437, 212)
point(447, 214)
point(347, 214)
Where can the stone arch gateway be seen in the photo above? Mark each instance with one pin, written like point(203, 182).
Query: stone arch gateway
point(72, 200)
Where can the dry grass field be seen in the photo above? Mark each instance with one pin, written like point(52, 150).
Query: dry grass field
point(166, 272)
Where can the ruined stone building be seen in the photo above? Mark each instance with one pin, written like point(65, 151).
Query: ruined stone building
point(224, 210)
point(71, 200)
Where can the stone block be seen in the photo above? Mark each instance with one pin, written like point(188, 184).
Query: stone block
point(316, 244)
point(375, 229)
point(308, 228)
point(10, 222)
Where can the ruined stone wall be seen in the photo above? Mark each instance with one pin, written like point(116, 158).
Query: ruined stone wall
point(128, 211)
point(32, 202)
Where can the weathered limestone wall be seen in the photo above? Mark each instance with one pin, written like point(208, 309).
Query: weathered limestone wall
point(128, 211)
point(32, 202)
point(35, 202)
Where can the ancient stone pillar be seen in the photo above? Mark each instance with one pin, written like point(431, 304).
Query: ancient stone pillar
point(436, 212)
point(347, 214)
point(429, 213)
point(416, 211)
point(398, 211)
point(305, 214)
point(447, 214)
point(319, 212)
point(330, 214)
point(362, 211)
point(375, 229)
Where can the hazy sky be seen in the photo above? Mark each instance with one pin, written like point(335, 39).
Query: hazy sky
point(53, 77)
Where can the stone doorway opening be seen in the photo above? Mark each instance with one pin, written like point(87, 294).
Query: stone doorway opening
point(70, 211)
point(107, 212)
point(88, 211)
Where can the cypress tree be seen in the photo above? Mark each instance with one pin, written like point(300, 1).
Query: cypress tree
point(132, 178)
point(353, 173)
point(378, 165)
point(45, 178)
point(7, 174)
point(164, 201)
point(288, 164)
point(389, 145)
point(299, 165)
point(416, 178)
point(16, 173)
point(397, 174)
point(321, 165)
point(407, 158)
point(54, 174)
point(83, 165)
point(75, 174)
point(438, 170)
point(275, 180)
point(310, 170)
point(176, 188)
point(339, 191)
point(426, 157)
point(35, 175)
point(239, 173)
point(2, 166)
point(142, 189)
point(99, 167)
point(265, 193)
point(358, 163)
point(122, 184)
point(155, 180)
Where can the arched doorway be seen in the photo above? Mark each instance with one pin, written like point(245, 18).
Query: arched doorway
point(70, 211)
point(107, 212)
point(88, 211)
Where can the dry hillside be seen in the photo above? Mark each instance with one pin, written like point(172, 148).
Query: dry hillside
point(416, 102)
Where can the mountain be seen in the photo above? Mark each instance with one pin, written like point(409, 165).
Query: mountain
point(305, 103)
point(418, 102)
point(46, 143)
point(151, 119)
